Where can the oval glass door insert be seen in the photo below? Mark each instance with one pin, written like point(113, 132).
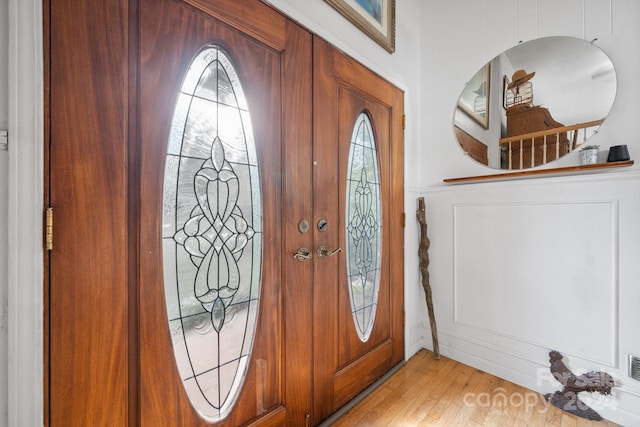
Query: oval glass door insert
point(212, 234)
point(363, 226)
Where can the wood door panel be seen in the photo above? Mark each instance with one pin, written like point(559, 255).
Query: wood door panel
point(171, 34)
point(276, 417)
point(116, 68)
point(351, 104)
point(298, 206)
point(256, 19)
point(325, 279)
point(375, 363)
point(87, 346)
point(343, 89)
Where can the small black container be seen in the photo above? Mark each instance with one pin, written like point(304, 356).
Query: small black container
point(618, 153)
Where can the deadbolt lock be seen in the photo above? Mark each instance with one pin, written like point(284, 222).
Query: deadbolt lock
point(303, 226)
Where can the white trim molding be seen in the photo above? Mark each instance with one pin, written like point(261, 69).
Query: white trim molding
point(26, 196)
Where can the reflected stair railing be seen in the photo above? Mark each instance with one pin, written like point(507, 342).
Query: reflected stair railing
point(529, 141)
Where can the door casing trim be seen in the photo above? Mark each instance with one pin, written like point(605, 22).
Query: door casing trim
point(26, 201)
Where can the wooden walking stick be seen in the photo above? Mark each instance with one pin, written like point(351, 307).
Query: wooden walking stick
point(423, 254)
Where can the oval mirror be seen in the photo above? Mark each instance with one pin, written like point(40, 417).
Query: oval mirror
point(535, 102)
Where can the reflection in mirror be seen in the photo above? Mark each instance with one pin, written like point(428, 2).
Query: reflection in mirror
point(535, 103)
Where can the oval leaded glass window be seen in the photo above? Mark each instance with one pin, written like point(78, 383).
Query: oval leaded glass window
point(212, 237)
point(363, 226)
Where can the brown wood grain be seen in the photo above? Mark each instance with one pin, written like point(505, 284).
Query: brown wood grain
point(344, 365)
point(134, 217)
point(325, 279)
point(172, 33)
point(87, 303)
point(113, 71)
point(351, 347)
point(472, 146)
point(429, 392)
point(254, 18)
point(371, 365)
point(297, 206)
point(397, 218)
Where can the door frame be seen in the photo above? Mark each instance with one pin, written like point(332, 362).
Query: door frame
point(25, 391)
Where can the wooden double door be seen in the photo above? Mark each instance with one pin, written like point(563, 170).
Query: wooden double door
point(117, 72)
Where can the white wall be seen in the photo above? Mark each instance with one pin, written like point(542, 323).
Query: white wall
point(24, 204)
point(4, 175)
point(522, 267)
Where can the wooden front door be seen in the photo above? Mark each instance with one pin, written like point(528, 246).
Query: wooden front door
point(214, 109)
point(157, 197)
point(116, 73)
point(358, 292)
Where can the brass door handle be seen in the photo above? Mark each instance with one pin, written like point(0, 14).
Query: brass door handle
point(323, 251)
point(303, 254)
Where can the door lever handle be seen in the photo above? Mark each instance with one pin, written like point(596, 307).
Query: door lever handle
point(303, 254)
point(324, 252)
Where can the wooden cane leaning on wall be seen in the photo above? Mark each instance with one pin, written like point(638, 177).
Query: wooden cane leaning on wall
point(423, 254)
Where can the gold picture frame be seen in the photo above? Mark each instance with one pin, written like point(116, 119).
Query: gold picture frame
point(376, 18)
point(474, 100)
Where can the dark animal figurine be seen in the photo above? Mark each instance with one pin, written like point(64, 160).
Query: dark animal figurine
point(567, 399)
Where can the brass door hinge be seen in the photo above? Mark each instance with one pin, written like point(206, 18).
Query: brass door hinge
point(403, 220)
point(48, 233)
point(404, 121)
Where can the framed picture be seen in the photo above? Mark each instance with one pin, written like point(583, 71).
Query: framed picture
point(474, 100)
point(376, 18)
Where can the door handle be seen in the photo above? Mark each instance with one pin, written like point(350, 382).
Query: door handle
point(303, 254)
point(324, 252)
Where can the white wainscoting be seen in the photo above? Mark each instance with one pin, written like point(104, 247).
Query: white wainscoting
point(524, 267)
point(510, 282)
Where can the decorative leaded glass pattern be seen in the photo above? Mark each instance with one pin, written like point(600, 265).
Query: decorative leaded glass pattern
point(363, 226)
point(212, 234)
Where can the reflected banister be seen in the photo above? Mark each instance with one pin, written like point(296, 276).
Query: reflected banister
point(530, 138)
point(551, 131)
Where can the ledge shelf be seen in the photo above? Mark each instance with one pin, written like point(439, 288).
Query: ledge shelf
point(567, 170)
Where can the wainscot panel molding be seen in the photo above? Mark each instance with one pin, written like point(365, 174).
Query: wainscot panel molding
point(490, 322)
point(519, 289)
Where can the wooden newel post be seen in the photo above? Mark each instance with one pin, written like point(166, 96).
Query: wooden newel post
point(423, 254)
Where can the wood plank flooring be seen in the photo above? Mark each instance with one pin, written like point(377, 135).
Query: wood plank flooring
point(428, 392)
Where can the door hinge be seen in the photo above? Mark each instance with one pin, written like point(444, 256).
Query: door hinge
point(403, 220)
point(48, 234)
point(404, 121)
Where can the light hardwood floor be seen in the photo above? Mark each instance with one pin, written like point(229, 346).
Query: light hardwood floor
point(428, 392)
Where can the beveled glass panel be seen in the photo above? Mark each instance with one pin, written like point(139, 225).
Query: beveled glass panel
point(363, 226)
point(212, 234)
